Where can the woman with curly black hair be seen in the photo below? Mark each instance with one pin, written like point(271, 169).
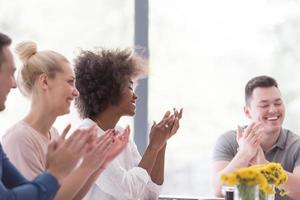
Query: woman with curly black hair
point(105, 81)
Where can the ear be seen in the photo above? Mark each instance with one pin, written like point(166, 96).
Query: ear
point(43, 81)
point(247, 111)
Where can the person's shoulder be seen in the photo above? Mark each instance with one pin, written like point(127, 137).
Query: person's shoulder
point(18, 130)
point(20, 135)
point(228, 134)
point(86, 122)
point(227, 138)
point(119, 128)
point(291, 136)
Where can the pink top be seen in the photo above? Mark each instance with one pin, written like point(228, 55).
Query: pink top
point(27, 149)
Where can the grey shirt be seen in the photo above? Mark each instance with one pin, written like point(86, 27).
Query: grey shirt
point(286, 151)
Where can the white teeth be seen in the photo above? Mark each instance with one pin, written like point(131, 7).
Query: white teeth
point(272, 118)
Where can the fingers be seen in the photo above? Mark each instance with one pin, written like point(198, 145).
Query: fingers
point(79, 138)
point(124, 137)
point(180, 113)
point(167, 114)
point(255, 130)
point(65, 131)
point(105, 145)
point(239, 133)
point(104, 138)
point(256, 140)
point(126, 132)
point(52, 146)
point(248, 130)
point(175, 126)
point(153, 125)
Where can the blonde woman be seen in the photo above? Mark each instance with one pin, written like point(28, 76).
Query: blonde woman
point(48, 80)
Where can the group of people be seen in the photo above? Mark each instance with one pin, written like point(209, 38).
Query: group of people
point(41, 164)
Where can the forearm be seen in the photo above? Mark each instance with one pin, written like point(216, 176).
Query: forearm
point(157, 173)
point(42, 188)
point(292, 185)
point(237, 162)
point(89, 183)
point(149, 158)
point(73, 183)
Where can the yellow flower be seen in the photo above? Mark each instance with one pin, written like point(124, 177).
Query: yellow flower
point(264, 175)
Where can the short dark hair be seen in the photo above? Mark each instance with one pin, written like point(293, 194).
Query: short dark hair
point(4, 41)
point(101, 76)
point(258, 81)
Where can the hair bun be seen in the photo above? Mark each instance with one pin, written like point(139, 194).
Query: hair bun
point(25, 50)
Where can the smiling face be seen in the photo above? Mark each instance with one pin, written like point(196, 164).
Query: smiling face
point(127, 103)
point(62, 90)
point(266, 106)
point(7, 79)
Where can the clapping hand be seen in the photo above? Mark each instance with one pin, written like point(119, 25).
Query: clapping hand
point(165, 129)
point(64, 154)
point(249, 139)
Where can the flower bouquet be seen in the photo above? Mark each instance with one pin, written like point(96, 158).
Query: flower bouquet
point(257, 182)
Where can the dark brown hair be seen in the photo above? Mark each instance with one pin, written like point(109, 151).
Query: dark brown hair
point(101, 76)
point(4, 41)
point(258, 81)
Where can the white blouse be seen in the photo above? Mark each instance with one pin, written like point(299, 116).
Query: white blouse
point(123, 179)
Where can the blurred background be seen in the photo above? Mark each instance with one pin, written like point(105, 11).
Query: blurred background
point(201, 54)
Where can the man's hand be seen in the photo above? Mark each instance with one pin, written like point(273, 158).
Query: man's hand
point(249, 140)
point(259, 158)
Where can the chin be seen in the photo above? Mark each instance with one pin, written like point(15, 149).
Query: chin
point(64, 112)
point(131, 113)
point(273, 128)
point(2, 107)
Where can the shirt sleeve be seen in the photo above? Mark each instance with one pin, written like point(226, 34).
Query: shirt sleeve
point(226, 147)
point(152, 190)
point(14, 186)
point(133, 183)
point(295, 148)
point(24, 154)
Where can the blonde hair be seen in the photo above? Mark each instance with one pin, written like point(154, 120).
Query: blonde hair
point(35, 63)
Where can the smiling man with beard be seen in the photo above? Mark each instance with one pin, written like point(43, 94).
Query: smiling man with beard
point(263, 141)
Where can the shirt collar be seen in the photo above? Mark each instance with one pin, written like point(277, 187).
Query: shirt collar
point(281, 142)
point(89, 122)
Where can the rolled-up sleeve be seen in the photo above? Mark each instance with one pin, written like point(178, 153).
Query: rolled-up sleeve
point(128, 183)
point(123, 184)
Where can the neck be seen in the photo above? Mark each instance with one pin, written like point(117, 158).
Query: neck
point(40, 119)
point(107, 119)
point(269, 139)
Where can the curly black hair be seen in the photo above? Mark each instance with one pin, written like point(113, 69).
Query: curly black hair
point(101, 76)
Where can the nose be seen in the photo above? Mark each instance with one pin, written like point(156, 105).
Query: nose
point(76, 92)
point(135, 96)
point(13, 82)
point(272, 108)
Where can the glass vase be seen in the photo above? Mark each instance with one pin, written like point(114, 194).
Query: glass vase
point(251, 192)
